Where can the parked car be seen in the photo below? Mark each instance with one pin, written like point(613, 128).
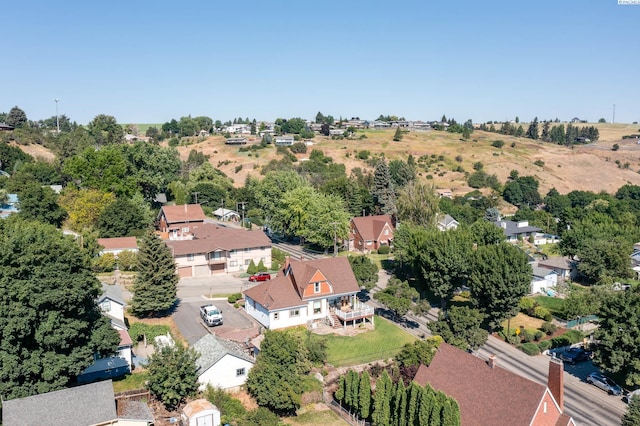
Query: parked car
point(627, 397)
point(261, 276)
point(604, 383)
point(576, 354)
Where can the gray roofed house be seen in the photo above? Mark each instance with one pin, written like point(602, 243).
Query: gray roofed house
point(446, 222)
point(516, 230)
point(81, 405)
point(222, 363)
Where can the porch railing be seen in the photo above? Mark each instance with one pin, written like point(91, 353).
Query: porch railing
point(363, 311)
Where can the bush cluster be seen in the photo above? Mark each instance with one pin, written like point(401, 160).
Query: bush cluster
point(234, 298)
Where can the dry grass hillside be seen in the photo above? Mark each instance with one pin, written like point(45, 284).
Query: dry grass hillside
point(594, 167)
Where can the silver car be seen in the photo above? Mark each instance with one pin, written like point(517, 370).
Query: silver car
point(604, 383)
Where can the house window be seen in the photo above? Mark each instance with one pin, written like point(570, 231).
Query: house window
point(386, 232)
point(233, 251)
point(247, 250)
point(214, 255)
point(276, 316)
point(316, 287)
point(233, 263)
point(185, 229)
point(368, 243)
point(105, 306)
point(317, 307)
point(294, 313)
point(247, 262)
point(190, 257)
point(240, 372)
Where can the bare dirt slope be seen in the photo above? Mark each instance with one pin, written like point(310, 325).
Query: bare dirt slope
point(594, 167)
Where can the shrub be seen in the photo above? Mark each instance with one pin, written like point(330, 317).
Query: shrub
point(527, 304)
point(363, 155)
point(529, 348)
point(497, 144)
point(539, 163)
point(104, 263)
point(544, 345)
point(542, 313)
point(234, 298)
point(459, 158)
point(513, 144)
point(384, 250)
point(560, 341)
point(548, 328)
point(574, 336)
point(261, 267)
point(298, 148)
point(615, 147)
point(252, 268)
point(526, 335)
point(538, 335)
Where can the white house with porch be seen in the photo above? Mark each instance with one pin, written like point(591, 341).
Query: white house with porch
point(307, 293)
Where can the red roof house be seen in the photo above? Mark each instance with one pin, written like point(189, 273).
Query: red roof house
point(308, 291)
point(490, 395)
point(370, 232)
point(178, 220)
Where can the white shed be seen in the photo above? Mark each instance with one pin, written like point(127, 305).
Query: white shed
point(201, 413)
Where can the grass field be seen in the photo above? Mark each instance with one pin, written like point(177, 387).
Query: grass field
point(553, 304)
point(525, 321)
point(311, 418)
point(382, 343)
point(130, 382)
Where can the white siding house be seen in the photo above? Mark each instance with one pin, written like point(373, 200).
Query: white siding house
point(222, 363)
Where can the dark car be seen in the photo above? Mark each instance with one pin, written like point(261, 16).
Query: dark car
point(604, 383)
point(261, 276)
point(573, 355)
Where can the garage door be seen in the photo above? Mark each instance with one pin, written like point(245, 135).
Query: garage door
point(217, 268)
point(184, 271)
point(202, 271)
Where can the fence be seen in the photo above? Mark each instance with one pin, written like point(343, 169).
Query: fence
point(581, 320)
point(344, 414)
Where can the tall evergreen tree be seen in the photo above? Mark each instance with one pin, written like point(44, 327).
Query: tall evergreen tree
point(532, 131)
point(364, 397)
point(382, 400)
point(155, 287)
point(401, 404)
point(414, 395)
point(383, 193)
point(354, 390)
point(425, 406)
point(632, 416)
point(16, 117)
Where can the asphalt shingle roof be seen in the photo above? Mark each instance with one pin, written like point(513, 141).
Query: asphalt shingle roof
point(212, 349)
point(77, 406)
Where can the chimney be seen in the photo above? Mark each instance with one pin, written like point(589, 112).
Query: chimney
point(555, 381)
point(492, 361)
point(287, 260)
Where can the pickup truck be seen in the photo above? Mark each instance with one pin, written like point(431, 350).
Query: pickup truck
point(211, 315)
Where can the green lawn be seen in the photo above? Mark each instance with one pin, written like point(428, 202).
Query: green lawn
point(553, 304)
point(130, 382)
point(310, 418)
point(382, 343)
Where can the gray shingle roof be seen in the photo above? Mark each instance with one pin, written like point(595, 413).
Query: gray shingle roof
point(511, 228)
point(212, 349)
point(77, 406)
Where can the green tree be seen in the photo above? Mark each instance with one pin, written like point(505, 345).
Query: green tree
point(84, 206)
point(122, 218)
point(40, 203)
point(364, 396)
point(426, 403)
point(50, 323)
point(173, 374)
point(618, 336)
point(398, 296)
point(276, 380)
point(499, 278)
point(382, 191)
point(460, 327)
point(106, 130)
point(127, 260)
point(16, 118)
point(365, 270)
point(381, 415)
point(632, 416)
point(484, 233)
point(155, 286)
point(601, 259)
point(397, 136)
point(532, 131)
point(399, 412)
point(418, 204)
point(414, 393)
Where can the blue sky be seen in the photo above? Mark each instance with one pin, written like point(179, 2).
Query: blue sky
point(148, 62)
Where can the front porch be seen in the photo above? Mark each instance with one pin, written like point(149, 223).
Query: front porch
point(350, 314)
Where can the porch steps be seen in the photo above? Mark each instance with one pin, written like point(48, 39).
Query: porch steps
point(336, 321)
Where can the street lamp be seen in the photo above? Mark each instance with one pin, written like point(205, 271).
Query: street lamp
point(56, 100)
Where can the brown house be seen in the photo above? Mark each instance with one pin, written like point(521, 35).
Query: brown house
point(178, 221)
point(370, 232)
point(490, 395)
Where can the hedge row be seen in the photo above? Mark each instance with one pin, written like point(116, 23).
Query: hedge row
point(567, 339)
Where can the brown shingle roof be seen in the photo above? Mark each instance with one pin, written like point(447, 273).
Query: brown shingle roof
point(183, 213)
point(486, 396)
point(210, 237)
point(281, 292)
point(370, 227)
point(126, 243)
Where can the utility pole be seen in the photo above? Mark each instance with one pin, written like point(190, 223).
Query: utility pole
point(56, 100)
point(242, 203)
point(335, 239)
point(195, 194)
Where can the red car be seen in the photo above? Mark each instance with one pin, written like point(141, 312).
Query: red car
point(261, 276)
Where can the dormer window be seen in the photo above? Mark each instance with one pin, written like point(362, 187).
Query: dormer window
point(316, 287)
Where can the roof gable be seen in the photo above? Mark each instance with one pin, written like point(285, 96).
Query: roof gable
point(370, 227)
point(212, 349)
point(210, 237)
point(486, 396)
point(183, 213)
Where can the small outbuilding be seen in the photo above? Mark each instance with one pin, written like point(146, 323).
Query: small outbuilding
point(200, 413)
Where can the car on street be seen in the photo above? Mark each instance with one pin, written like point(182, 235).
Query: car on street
point(604, 383)
point(260, 276)
point(574, 355)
